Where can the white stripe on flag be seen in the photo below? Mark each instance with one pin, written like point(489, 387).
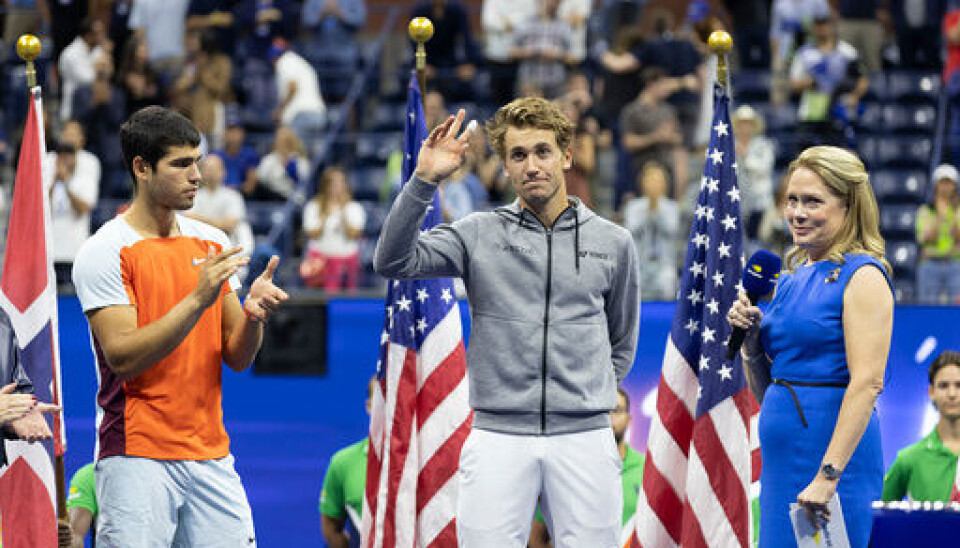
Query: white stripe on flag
point(445, 419)
point(438, 345)
point(714, 525)
point(652, 534)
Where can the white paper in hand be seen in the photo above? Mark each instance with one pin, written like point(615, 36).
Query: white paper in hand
point(833, 534)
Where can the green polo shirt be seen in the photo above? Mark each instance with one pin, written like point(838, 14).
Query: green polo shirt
point(345, 480)
point(632, 478)
point(83, 490)
point(923, 471)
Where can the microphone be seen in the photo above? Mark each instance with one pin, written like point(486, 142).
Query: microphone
point(759, 278)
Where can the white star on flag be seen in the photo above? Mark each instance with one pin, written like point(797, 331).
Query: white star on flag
point(708, 335)
point(716, 156)
point(718, 279)
point(704, 363)
point(422, 295)
point(723, 250)
point(725, 372)
point(697, 269)
point(729, 223)
point(445, 296)
point(404, 303)
point(692, 326)
point(694, 297)
point(721, 129)
point(734, 194)
point(421, 325)
point(713, 306)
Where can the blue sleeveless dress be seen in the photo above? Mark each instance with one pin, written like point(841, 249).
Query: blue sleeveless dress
point(802, 334)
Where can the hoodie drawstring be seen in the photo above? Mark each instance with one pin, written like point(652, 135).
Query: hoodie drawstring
point(576, 238)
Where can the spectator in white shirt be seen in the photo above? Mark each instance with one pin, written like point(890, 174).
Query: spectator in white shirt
point(72, 179)
point(221, 206)
point(298, 91)
point(76, 64)
point(334, 223)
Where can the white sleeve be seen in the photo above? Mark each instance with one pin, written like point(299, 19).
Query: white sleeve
point(354, 215)
point(311, 216)
point(98, 274)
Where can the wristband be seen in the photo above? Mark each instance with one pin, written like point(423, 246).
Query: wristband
point(250, 316)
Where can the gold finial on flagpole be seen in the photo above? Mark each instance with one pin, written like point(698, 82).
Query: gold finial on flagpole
point(28, 48)
point(720, 43)
point(420, 30)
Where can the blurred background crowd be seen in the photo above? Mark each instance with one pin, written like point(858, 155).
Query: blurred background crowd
point(302, 106)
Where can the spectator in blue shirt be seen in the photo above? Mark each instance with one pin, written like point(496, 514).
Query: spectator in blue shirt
point(239, 159)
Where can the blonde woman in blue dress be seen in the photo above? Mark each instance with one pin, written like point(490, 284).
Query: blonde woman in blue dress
point(816, 358)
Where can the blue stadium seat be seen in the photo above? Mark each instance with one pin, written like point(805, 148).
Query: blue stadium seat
point(262, 216)
point(897, 221)
point(259, 91)
point(365, 182)
point(376, 214)
point(902, 255)
point(913, 87)
point(899, 186)
point(895, 152)
point(878, 88)
point(373, 148)
point(778, 118)
point(918, 119)
point(387, 117)
point(871, 121)
point(751, 86)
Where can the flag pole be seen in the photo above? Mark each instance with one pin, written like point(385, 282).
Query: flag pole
point(28, 48)
point(420, 30)
point(720, 43)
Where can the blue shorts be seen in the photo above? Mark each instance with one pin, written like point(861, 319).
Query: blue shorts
point(146, 503)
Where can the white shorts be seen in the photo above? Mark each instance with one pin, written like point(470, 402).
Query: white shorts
point(575, 476)
point(147, 503)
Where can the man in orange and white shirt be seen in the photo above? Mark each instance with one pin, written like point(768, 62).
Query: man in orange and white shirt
point(158, 289)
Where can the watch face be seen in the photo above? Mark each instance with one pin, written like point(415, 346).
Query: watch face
point(830, 472)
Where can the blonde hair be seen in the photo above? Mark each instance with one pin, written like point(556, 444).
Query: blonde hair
point(322, 197)
point(844, 175)
point(529, 112)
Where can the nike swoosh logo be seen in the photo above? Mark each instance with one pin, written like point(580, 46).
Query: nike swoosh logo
point(197, 262)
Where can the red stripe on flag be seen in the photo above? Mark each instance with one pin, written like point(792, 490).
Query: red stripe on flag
point(674, 415)
point(692, 532)
point(663, 500)
point(441, 382)
point(25, 266)
point(442, 465)
point(723, 476)
point(400, 434)
point(447, 537)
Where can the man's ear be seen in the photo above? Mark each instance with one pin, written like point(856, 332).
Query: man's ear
point(141, 168)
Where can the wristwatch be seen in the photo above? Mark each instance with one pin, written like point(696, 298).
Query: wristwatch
point(830, 472)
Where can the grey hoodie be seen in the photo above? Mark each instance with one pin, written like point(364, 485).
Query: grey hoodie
point(555, 312)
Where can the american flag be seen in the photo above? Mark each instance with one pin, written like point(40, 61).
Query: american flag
point(420, 415)
point(702, 451)
point(955, 492)
point(28, 293)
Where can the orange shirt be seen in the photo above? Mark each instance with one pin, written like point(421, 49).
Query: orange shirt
point(171, 411)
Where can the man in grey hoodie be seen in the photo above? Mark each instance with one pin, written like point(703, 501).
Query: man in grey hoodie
point(554, 301)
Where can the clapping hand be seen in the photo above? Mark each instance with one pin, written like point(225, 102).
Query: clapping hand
point(264, 297)
point(442, 152)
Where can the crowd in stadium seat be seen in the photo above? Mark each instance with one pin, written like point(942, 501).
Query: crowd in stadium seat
point(268, 83)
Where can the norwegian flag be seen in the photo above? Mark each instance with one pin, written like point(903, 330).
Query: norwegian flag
point(702, 451)
point(420, 415)
point(28, 295)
